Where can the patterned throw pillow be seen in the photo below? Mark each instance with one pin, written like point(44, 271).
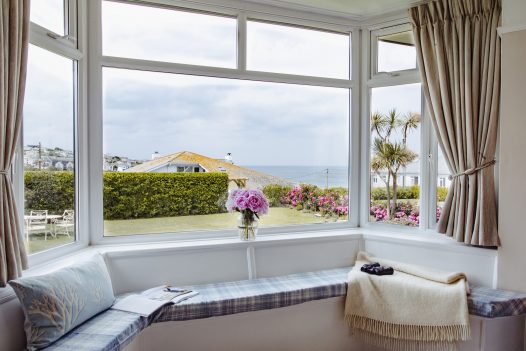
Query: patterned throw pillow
point(57, 302)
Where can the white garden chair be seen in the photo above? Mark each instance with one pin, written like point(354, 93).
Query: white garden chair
point(37, 223)
point(66, 225)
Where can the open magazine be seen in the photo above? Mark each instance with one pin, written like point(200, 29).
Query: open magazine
point(149, 301)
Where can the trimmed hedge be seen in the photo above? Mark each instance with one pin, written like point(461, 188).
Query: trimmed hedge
point(407, 193)
point(148, 195)
point(52, 191)
point(134, 195)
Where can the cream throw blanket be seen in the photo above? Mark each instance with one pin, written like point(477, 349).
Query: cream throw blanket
point(415, 303)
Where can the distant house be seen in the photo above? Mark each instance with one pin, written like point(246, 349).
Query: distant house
point(39, 157)
point(410, 175)
point(118, 163)
point(190, 162)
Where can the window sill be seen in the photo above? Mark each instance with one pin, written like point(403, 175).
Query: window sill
point(421, 238)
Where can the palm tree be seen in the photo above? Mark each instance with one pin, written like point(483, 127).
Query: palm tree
point(410, 121)
point(391, 155)
point(379, 162)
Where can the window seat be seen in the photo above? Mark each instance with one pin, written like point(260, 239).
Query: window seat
point(113, 330)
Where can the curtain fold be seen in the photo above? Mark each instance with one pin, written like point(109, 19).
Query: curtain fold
point(458, 52)
point(14, 39)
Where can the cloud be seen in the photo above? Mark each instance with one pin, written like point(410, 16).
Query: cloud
point(48, 108)
point(285, 49)
point(261, 123)
point(145, 32)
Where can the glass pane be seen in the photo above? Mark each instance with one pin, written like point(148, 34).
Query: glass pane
point(443, 182)
point(49, 158)
point(395, 149)
point(162, 34)
point(175, 144)
point(49, 14)
point(285, 49)
point(396, 52)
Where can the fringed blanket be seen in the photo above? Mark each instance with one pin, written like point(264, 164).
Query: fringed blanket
point(415, 303)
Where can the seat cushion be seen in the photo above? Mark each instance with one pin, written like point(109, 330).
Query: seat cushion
point(266, 293)
point(111, 330)
point(221, 299)
point(492, 303)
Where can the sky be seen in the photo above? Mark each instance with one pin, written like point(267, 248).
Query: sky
point(260, 123)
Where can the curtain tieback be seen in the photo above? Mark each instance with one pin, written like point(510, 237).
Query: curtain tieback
point(4, 172)
point(471, 171)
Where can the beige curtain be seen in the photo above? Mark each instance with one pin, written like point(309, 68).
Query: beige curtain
point(458, 52)
point(14, 36)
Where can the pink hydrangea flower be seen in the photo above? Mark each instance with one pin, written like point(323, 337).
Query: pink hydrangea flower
point(247, 200)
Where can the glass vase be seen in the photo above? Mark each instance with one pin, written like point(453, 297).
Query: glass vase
point(247, 226)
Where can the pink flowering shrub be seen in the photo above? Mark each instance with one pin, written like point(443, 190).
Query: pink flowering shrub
point(331, 202)
point(378, 212)
point(404, 213)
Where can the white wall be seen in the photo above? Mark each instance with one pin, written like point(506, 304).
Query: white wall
point(134, 270)
point(512, 165)
point(513, 13)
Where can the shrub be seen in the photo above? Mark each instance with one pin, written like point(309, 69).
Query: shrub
point(329, 202)
point(404, 213)
point(442, 193)
point(52, 191)
point(405, 193)
point(147, 195)
point(275, 194)
point(134, 195)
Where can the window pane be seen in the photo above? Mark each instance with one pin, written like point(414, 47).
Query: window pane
point(395, 149)
point(396, 52)
point(443, 182)
point(161, 34)
point(285, 49)
point(49, 158)
point(49, 14)
point(162, 130)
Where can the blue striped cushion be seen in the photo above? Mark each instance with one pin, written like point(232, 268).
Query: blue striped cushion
point(259, 294)
point(492, 303)
point(111, 330)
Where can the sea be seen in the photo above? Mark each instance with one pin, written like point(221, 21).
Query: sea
point(322, 176)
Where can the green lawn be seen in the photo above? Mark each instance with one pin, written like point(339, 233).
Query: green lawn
point(277, 216)
point(37, 242)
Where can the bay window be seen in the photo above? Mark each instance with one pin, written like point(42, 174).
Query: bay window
point(189, 102)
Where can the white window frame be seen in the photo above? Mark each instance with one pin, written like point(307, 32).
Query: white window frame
point(89, 154)
point(243, 13)
point(379, 32)
point(71, 46)
point(428, 142)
